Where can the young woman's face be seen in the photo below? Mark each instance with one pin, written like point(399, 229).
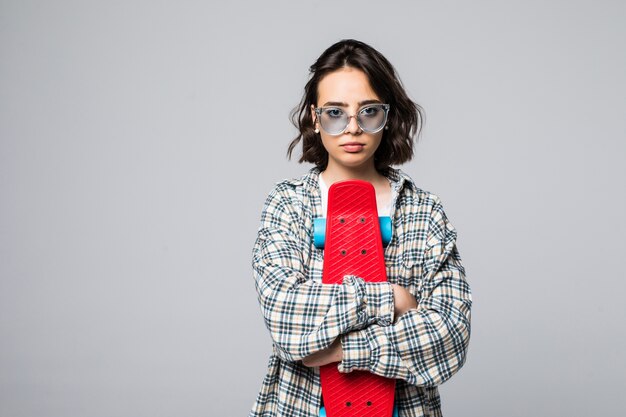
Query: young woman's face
point(349, 90)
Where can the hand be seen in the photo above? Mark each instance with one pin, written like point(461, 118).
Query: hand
point(403, 300)
point(333, 353)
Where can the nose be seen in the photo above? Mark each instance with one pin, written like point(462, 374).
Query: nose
point(353, 126)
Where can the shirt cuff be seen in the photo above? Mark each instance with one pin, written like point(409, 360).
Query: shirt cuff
point(375, 302)
point(356, 352)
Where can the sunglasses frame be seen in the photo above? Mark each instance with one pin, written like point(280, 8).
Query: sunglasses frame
point(385, 107)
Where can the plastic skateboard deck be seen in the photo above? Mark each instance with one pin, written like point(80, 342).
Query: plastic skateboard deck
point(353, 246)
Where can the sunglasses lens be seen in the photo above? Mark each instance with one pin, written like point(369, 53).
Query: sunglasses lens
point(333, 120)
point(372, 118)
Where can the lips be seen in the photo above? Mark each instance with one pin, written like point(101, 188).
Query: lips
point(352, 147)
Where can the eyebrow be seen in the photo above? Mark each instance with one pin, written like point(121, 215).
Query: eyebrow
point(342, 104)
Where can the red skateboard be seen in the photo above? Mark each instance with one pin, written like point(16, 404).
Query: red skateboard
point(353, 246)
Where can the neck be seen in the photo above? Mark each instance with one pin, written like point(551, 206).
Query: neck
point(334, 173)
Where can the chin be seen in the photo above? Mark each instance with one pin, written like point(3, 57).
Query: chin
point(354, 162)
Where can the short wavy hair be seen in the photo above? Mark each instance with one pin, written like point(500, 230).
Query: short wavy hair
point(405, 116)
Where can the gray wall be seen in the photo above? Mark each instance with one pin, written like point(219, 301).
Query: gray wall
point(138, 140)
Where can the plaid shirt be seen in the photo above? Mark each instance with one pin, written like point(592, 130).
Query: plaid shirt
point(421, 349)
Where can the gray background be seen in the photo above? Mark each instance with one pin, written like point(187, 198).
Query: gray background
point(138, 141)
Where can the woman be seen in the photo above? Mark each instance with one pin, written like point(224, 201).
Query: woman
point(355, 121)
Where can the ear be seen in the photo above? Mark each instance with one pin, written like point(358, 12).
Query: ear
point(313, 114)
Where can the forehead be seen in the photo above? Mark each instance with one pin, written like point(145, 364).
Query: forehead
point(347, 85)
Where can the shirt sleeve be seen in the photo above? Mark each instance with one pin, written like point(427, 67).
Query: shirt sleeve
point(427, 345)
point(304, 316)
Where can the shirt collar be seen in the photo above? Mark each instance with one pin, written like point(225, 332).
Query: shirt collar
point(397, 178)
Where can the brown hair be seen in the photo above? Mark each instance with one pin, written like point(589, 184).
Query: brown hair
point(405, 117)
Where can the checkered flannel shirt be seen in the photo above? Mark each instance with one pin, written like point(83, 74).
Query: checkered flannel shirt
point(421, 349)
